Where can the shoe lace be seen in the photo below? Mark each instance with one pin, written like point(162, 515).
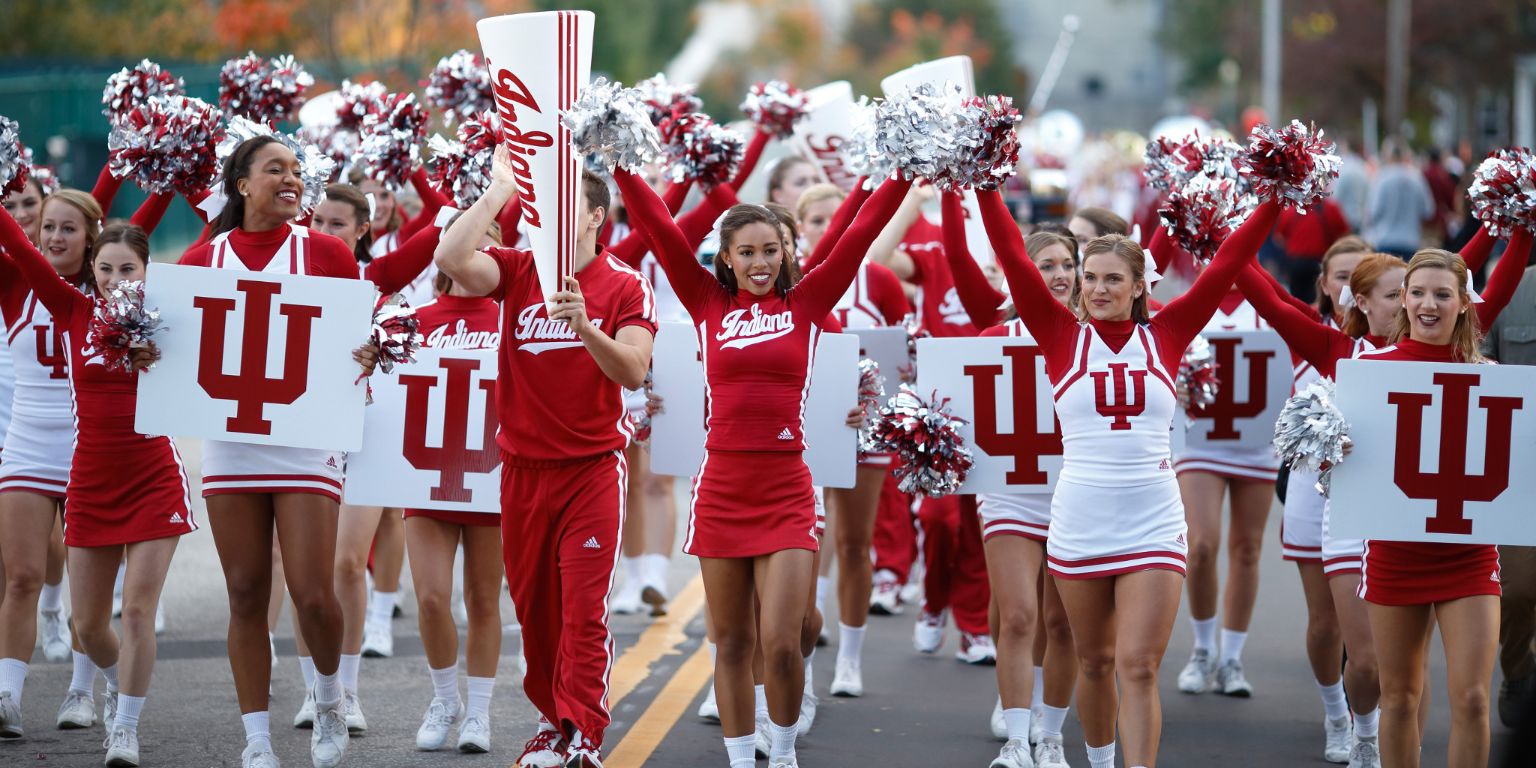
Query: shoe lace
point(117, 738)
point(437, 715)
point(328, 722)
point(543, 741)
point(1363, 751)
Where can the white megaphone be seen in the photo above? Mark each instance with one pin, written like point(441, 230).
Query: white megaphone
point(819, 137)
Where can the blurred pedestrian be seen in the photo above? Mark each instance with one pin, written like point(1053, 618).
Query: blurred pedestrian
point(1400, 203)
point(1305, 235)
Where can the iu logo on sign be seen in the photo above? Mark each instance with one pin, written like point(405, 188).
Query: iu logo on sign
point(1127, 404)
point(455, 458)
point(50, 351)
point(1226, 409)
point(1451, 485)
point(1027, 443)
point(251, 388)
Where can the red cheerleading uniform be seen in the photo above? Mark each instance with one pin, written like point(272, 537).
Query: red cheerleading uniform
point(124, 487)
point(1419, 573)
point(459, 322)
point(757, 352)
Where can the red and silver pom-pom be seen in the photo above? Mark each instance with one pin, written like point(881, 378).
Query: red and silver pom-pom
point(315, 168)
point(391, 139)
point(133, 86)
point(1170, 163)
point(461, 168)
point(121, 324)
point(611, 122)
point(987, 145)
point(1503, 191)
point(932, 458)
point(397, 332)
point(1197, 381)
point(871, 393)
point(775, 106)
point(914, 134)
point(460, 86)
point(664, 100)
point(267, 91)
point(1201, 213)
point(1311, 433)
point(1294, 164)
point(167, 144)
point(47, 179)
point(696, 147)
point(358, 101)
point(15, 160)
point(338, 145)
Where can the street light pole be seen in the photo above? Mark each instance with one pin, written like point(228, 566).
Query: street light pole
point(1271, 62)
point(1399, 21)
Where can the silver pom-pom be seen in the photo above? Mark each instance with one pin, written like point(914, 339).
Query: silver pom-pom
point(871, 392)
point(775, 106)
point(931, 454)
point(986, 145)
point(1294, 164)
point(611, 121)
point(461, 167)
point(390, 144)
point(132, 86)
point(1170, 163)
point(315, 168)
point(1197, 381)
point(15, 163)
point(915, 134)
point(397, 332)
point(1503, 191)
point(663, 99)
point(1311, 433)
point(121, 323)
point(460, 86)
point(167, 144)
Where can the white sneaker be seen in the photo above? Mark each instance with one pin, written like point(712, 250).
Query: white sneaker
point(10, 717)
point(655, 596)
point(885, 597)
point(1230, 680)
point(352, 710)
point(109, 710)
point(626, 600)
point(328, 741)
point(160, 620)
point(256, 757)
point(378, 640)
point(785, 762)
point(808, 704)
point(1340, 739)
point(764, 740)
point(305, 718)
point(77, 711)
point(441, 716)
point(998, 724)
point(1366, 754)
point(976, 649)
point(912, 591)
point(53, 635)
point(1197, 675)
point(1014, 754)
point(475, 735)
point(708, 709)
point(122, 749)
point(847, 679)
point(928, 634)
point(1049, 754)
point(544, 750)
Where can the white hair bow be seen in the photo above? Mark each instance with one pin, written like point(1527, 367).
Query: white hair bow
point(373, 206)
point(1472, 292)
point(1346, 297)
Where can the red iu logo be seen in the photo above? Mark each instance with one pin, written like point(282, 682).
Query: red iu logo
point(1027, 444)
point(1123, 408)
point(455, 458)
point(251, 389)
point(1450, 486)
point(50, 351)
point(1226, 410)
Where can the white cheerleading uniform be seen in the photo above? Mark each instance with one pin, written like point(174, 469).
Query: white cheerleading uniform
point(382, 245)
point(1117, 507)
point(40, 440)
point(7, 385)
point(1015, 514)
point(1249, 463)
point(1342, 556)
point(235, 468)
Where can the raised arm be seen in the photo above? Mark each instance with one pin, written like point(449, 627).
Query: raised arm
point(886, 249)
point(61, 299)
point(749, 159)
point(1475, 252)
point(980, 299)
point(631, 249)
point(699, 222)
point(841, 218)
point(1181, 320)
point(393, 271)
point(649, 216)
point(106, 188)
point(1045, 317)
point(819, 291)
point(432, 201)
point(1505, 278)
point(458, 252)
point(1318, 344)
point(148, 216)
point(1285, 295)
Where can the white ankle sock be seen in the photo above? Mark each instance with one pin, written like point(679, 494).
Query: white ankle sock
point(13, 677)
point(1017, 719)
point(445, 683)
point(781, 741)
point(850, 642)
point(258, 730)
point(1205, 633)
point(51, 598)
point(327, 688)
point(381, 606)
point(809, 658)
point(631, 568)
point(1232, 645)
point(1335, 705)
point(760, 700)
point(1051, 719)
point(84, 678)
point(1102, 757)
point(347, 670)
point(480, 696)
point(741, 751)
point(110, 673)
point(307, 669)
point(128, 708)
point(1037, 696)
point(823, 583)
point(1366, 725)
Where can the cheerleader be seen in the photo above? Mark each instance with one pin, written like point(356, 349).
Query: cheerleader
point(788, 178)
point(127, 494)
point(1116, 540)
point(757, 332)
point(253, 233)
point(24, 206)
point(1092, 222)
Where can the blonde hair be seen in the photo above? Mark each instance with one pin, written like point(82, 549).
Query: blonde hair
point(1465, 336)
point(1361, 282)
point(816, 193)
point(1129, 251)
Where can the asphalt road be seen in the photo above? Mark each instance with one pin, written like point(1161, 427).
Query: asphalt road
point(917, 710)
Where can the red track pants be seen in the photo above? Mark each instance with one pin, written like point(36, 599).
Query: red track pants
point(895, 539)
point(955, 565)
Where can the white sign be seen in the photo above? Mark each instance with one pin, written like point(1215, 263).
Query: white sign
point(250, 357)
point(677, 433)
point(539, 62)
point(998, 385)
point(819, 137)
point(1255, 372)
point(888, 348)
point(429, 438)
point(1442, 452)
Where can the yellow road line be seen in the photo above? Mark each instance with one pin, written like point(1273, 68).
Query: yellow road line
point(646, 734)
point(662, 638)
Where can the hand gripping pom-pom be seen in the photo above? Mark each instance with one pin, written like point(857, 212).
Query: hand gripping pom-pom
point(914, 134)
point(1197, 381)
point(315, 168)
point(663, 99)
point(397, 332)
point(15, 163)
point(132, 86)
point(390, 145)
point(460, 86)
point(697, 148)
point(1294, 164)
point(932, 457)
point(1503, 191)
point(871, 392)
point(1201, 214)
point(986, 145)
point(167, 144)
point(461, 168)
point(1170, 163)
point(267, 91)
point(775, 107)
point(121, 324)
point(1311, 432)
point(610, 121)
